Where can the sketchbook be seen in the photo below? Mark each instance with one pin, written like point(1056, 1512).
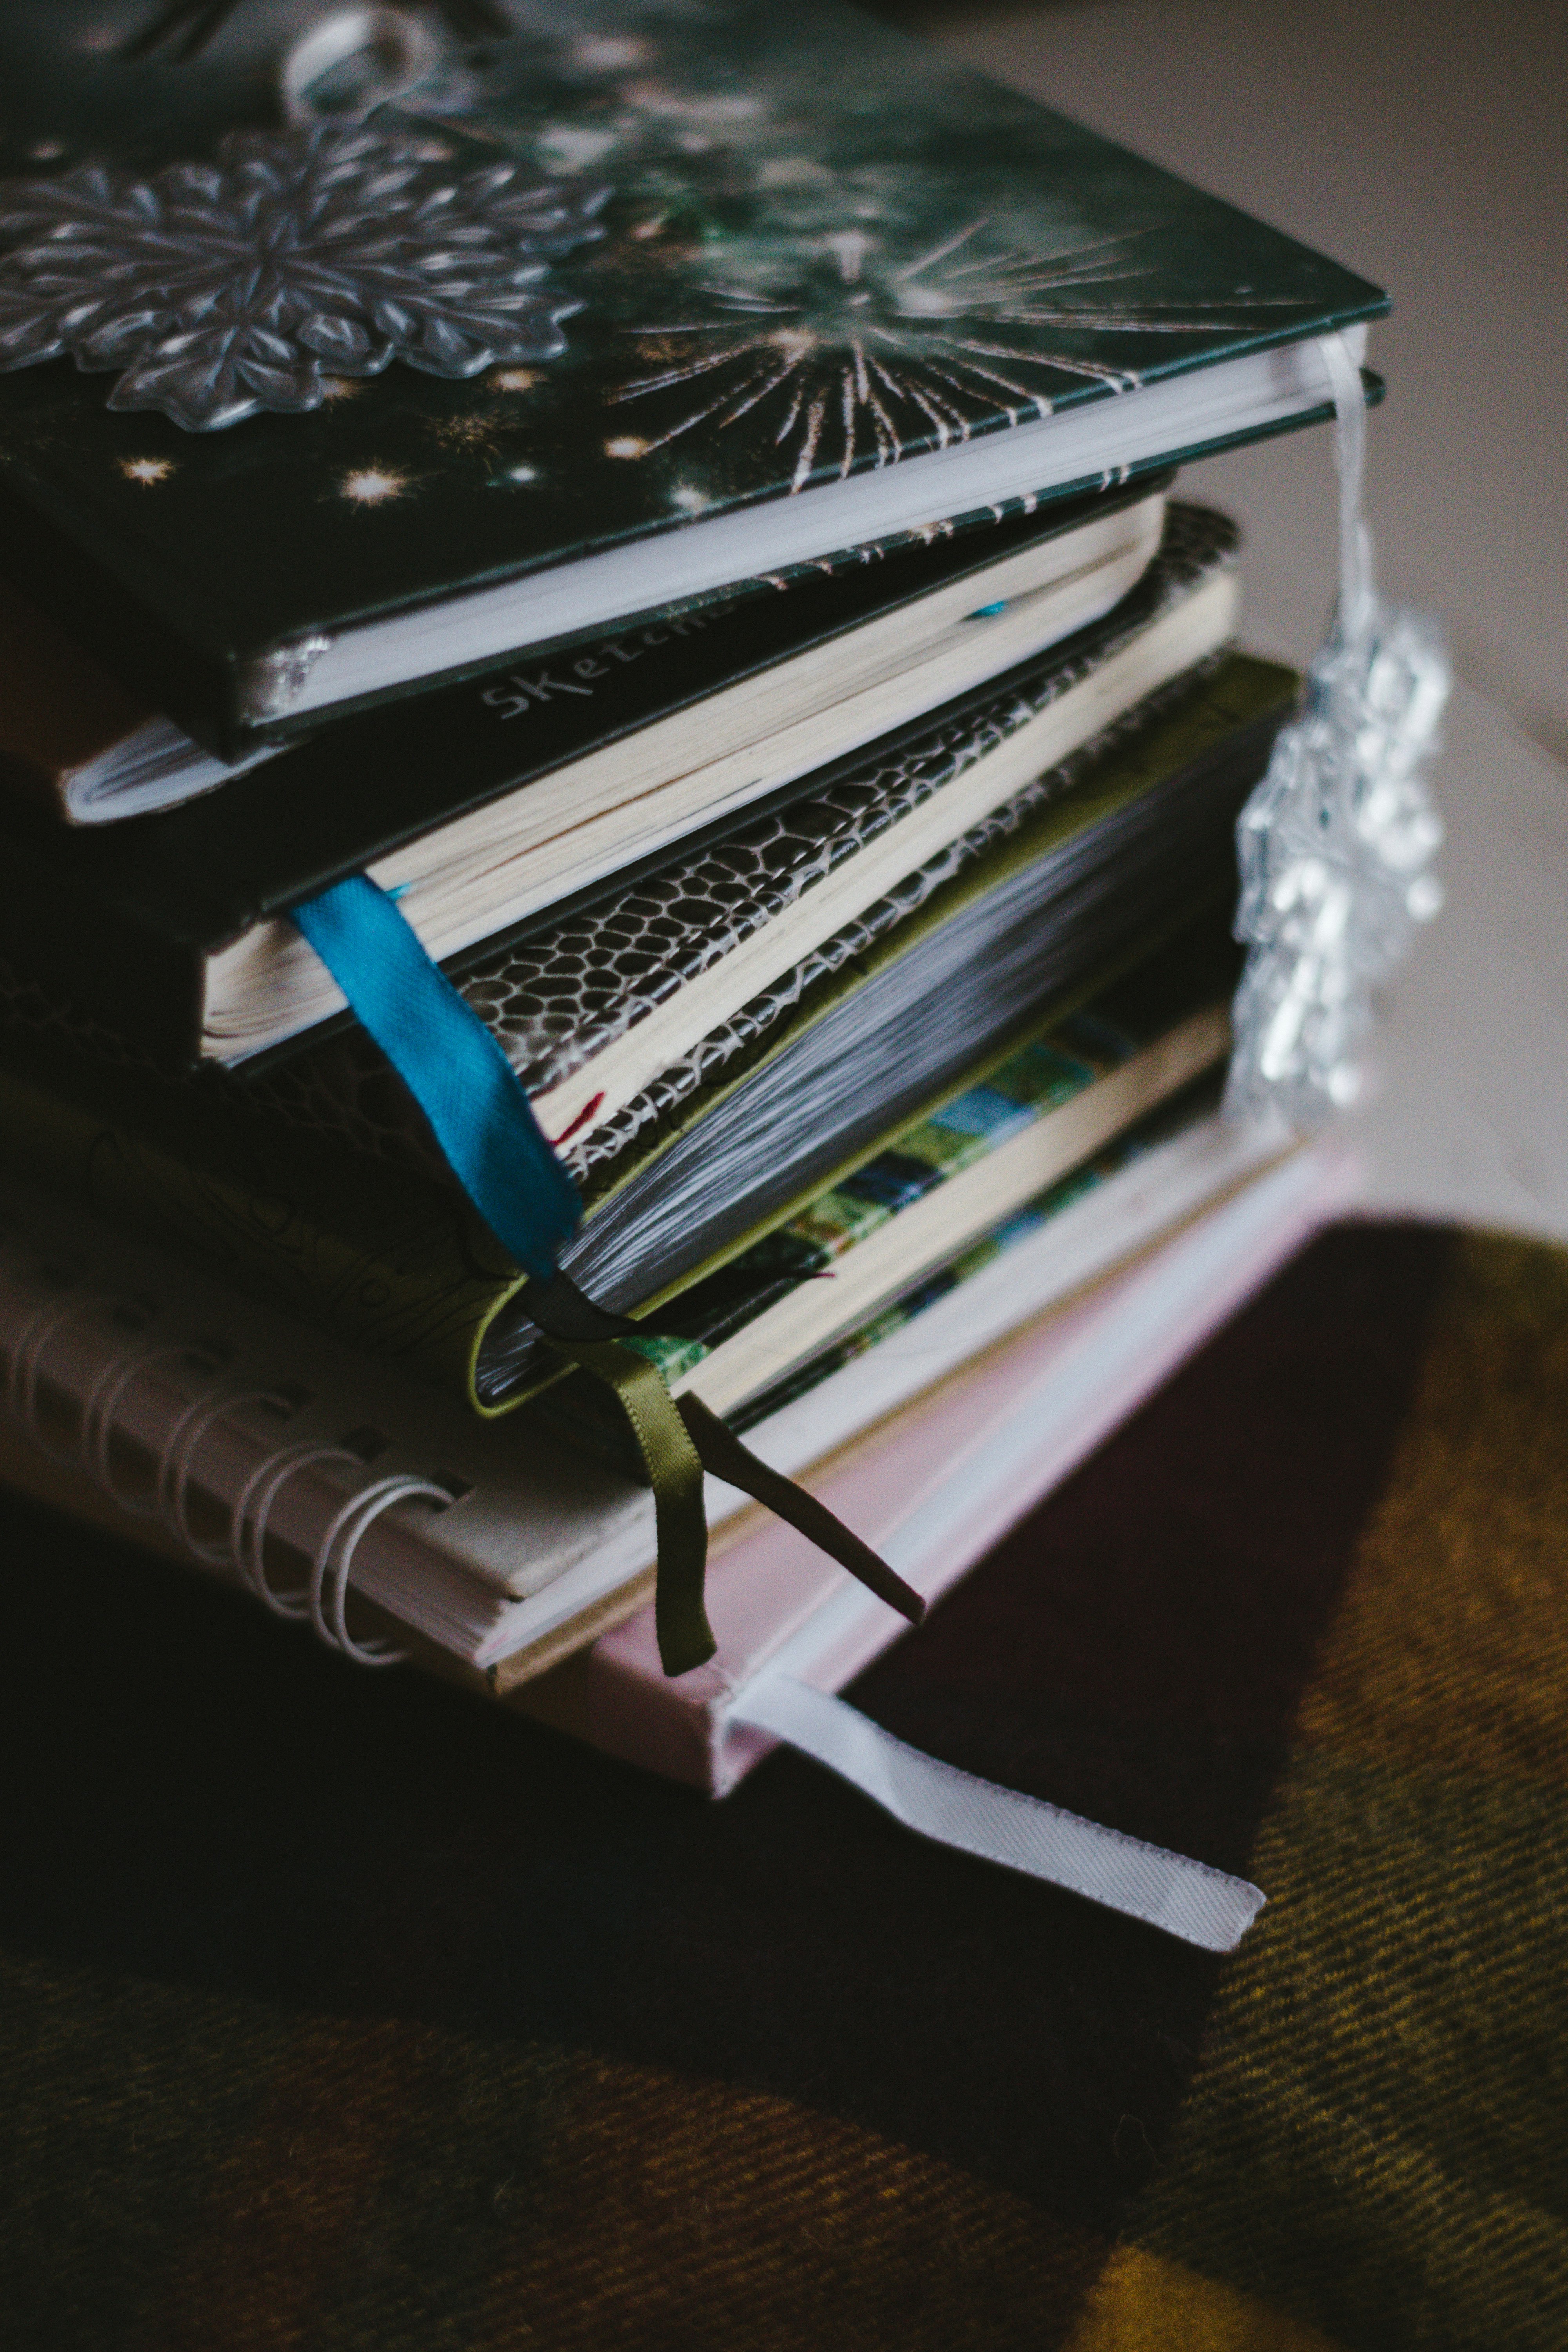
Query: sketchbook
point(732, 699)
point(177, 928)
point(481, 883)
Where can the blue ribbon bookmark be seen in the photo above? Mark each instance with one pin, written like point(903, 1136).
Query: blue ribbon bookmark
point(484, 1123)
point(451, 1064)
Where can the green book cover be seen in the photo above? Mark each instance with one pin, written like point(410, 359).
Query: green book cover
point(727, 254)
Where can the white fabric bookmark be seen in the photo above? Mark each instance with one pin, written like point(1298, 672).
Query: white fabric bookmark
point(1186, 1899)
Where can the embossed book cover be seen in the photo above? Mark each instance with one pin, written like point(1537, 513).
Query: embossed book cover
point(584, 324)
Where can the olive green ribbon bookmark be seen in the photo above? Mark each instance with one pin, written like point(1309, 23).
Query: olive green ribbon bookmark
point(675, 1473)
point(484, 1124)
point(679, 1439)
point(722, 1454)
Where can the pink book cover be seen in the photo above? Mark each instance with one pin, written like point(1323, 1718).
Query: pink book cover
point(938, 1483)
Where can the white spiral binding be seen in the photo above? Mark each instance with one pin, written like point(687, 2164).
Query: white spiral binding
point(241, 1548)
point(174, 1468)
point(97, 1430)
point(22, 1377)
point(344, 1532)
point(247, 1527)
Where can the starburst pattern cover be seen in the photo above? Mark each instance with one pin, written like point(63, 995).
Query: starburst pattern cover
point(783, 249)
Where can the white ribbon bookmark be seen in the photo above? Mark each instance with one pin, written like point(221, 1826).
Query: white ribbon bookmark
point(1186, 1899)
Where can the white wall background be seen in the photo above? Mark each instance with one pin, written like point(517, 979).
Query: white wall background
point(1426, 146)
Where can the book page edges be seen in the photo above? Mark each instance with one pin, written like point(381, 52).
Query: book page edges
point(765, 1595)
point(1279, 381)
point(571, 826)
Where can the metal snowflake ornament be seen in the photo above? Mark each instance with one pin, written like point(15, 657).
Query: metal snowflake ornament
point(221, 289)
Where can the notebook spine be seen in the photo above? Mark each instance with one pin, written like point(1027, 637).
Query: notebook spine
point(97, 1412)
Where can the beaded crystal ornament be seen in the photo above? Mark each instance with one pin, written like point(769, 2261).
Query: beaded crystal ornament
point(1335, 844)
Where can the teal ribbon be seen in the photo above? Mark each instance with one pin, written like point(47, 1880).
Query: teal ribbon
point(452, 1066)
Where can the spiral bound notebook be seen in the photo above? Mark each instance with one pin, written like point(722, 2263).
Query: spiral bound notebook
point(214, 1427)
point(938, 1483)
point(226, 1431)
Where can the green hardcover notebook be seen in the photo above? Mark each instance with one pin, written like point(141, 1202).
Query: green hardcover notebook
point(396, 1262)
point(637, 305)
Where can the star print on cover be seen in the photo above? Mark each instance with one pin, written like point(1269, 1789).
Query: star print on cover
point(839, 296)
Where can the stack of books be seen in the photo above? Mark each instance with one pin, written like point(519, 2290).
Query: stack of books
point(683, 519)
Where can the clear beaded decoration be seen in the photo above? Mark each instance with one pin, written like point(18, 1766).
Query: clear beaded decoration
point(1335, 844)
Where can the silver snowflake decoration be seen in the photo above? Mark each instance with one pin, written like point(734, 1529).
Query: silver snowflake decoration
point(220, 289)
point(1335, 848)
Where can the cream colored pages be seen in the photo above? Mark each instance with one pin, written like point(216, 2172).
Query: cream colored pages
point(615, 1076)
point(558, 833)
point(1153, 423)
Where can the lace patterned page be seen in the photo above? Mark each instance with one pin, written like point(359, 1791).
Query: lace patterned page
point(594, 1159)
point(557, 998)
point(610, 967)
